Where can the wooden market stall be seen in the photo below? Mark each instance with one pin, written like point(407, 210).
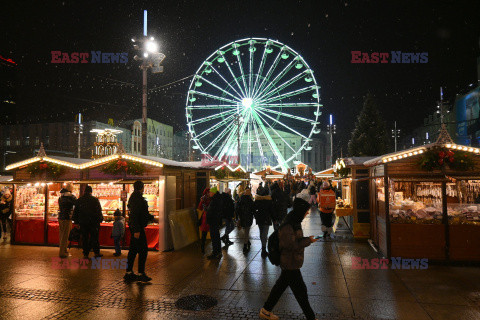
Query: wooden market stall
point(37, 182)
point(353, 205)
point(425, 202)
point(226, 176)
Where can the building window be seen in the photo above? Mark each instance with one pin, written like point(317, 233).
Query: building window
point(17, 142)
point(7, 142)
point(37, 141)
point(27, 141)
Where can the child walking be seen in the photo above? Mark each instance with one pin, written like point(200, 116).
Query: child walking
point(118, 231)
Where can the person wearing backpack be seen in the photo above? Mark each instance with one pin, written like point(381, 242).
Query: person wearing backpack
point(263, 215)
point(245, 216)
point(291, 246)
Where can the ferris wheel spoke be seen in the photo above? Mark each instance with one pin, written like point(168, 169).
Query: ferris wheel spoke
point(259, 142)
point(279, 135)
point(213, 106)
point(277, 78)
point(218, 138)
point(270, 141)
point(214, 127)
point(238, 130)
point(289, 105)
point(283, 85)
point(269, 72)
point(260, 69)
point(225, 80)
point(284, 114)
point(282, 124)
point(252, 51)
point(235, 78)
point(212, 117)
point(217, 87)
point(243, 74)
point(287, 94)
point(213, 96)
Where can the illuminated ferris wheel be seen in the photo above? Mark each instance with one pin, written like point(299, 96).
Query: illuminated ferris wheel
point(254, 96)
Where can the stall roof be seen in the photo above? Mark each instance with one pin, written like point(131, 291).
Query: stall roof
point(356, 161)
point(416, 151)
point(327, 173)
point(4, 179)
point(272, 172)
point(79, 164)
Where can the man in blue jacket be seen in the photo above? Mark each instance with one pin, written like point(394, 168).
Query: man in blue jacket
point(139, 218)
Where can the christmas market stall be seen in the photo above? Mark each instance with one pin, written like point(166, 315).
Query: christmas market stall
point(353, 201)
point(426, 202)
point(226, 176)
point(169, 186)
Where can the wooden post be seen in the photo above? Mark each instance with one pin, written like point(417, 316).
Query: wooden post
point(445, 220)
point(45, 216)
point(387, 211)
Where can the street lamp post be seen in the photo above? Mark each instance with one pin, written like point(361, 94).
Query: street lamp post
point(150, 58)
point(5, 158)
point(395, 134)
point(332, 128)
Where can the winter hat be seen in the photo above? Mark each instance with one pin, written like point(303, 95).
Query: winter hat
point(117, 213)
point(214, 189)
point(304, 195)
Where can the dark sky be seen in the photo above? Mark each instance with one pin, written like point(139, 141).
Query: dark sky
point(323, 32)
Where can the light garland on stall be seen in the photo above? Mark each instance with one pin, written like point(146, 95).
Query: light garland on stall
point(418, 151)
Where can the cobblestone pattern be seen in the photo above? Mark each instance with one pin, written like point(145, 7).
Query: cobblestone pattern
point(164, 307)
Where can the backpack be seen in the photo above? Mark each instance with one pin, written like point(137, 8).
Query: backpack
point(273, 245)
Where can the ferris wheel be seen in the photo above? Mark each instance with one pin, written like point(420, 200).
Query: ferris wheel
point(252, 97)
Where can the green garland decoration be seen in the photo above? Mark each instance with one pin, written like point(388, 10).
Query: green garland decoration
point(343, 172)
point(121, 166)
point(442, 158)
point(52, 169)
point(222, 173)
point(237, 174)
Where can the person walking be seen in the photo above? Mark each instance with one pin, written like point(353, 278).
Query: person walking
point(118, 231)
point(202, 210)
point(292, 245)
point(139, 218)
point(66, 204)
point(245, 215)
point(313, 195)
point(88, 214)
point(228, 213)
point(263, 216)
point(214, 212)
point(326, 203)
point(6, 209)
point(280, 205)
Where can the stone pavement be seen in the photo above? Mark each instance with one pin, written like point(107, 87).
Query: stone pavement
point(31, 289)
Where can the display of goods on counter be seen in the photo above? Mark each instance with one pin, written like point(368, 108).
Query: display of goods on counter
point(408, 211)
point(464, 214)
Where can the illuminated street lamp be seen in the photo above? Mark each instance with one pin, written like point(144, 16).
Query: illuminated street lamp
point(151, 58)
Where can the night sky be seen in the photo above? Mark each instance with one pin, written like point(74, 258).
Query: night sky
point(323, 32)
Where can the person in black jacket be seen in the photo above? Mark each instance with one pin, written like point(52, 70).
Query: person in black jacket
point(280, 205)
point(214, 213)
point(245, 215)
point(139, 218)
point(66, 203)
point(88, 214)
point(228, 213)
point(263, 215)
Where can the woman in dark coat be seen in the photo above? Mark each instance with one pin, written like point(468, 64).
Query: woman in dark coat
point(292, 246)
point(202, 213)
point(245, 214)
point(263, 216)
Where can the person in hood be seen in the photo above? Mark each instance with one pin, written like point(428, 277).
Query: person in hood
point(66, 204)
point(245, 215)
point(214, 214)
point(6, 209)
point(292, 246)
point(88, 214)
point(118, 231)
point(280, 204)
point(228, 214)
point(202, 212)
point(263, 215)
point(139, 218)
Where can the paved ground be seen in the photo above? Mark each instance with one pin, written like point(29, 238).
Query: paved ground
point(31, 289)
